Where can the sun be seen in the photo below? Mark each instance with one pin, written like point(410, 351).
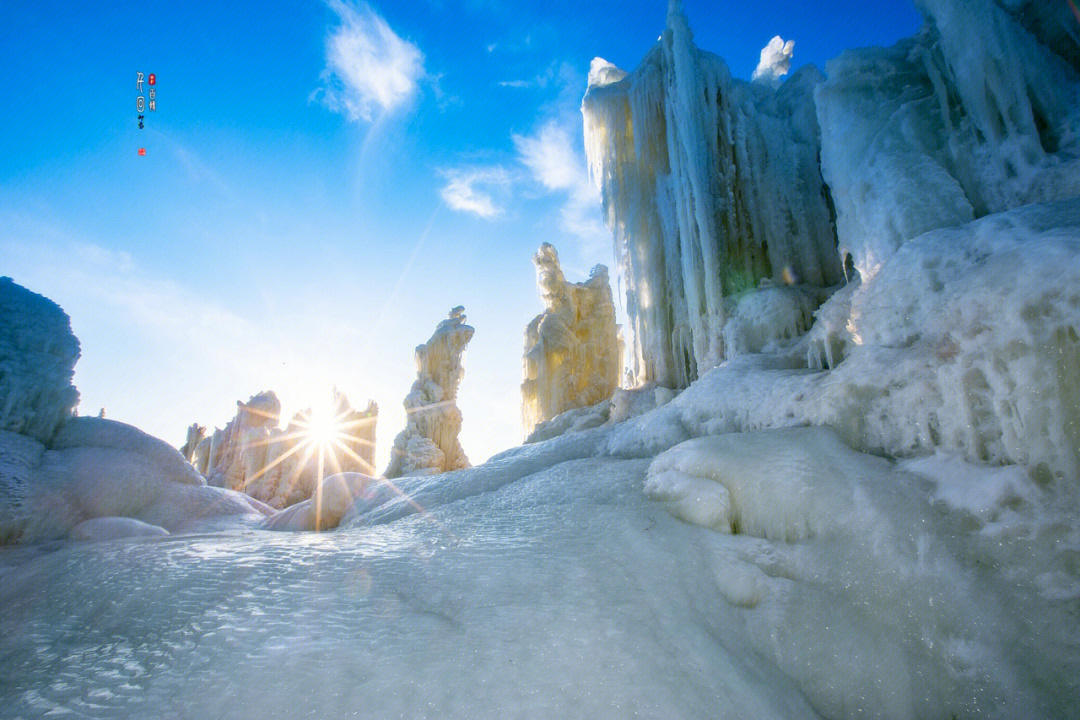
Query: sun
point(323, 426)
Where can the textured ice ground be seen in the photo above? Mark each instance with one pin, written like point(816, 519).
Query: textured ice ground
point(547, 584)
point(564, 594)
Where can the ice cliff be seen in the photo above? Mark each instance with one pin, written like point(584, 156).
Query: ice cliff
point(573, 353)
point(721, 196)
point(710, 185)
point(37, 362)
point(283, 466)
point(429, 443)
point(975, 115)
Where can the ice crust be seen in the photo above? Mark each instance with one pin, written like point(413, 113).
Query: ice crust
point(546, 583)
point(573, 353)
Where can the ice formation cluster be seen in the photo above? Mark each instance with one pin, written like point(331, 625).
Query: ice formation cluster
point(429, 443)
point(573, 354)
point(283, 466)
point(711, 185)
point(845, 482)
point(951, 164)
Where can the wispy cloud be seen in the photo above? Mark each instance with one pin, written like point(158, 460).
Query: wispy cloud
point(369, 67)
point(555, 159)
point(471, 190)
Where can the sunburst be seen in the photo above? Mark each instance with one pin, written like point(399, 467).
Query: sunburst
point(330, 435)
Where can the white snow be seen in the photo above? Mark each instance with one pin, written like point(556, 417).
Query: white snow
point(573, 355)
point(775, 62)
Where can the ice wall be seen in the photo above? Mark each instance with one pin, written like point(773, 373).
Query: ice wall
point(573, 353)
point(429, 443)
point(282, 467)
point(709, 184)
point(974, 115)
point(37, 361)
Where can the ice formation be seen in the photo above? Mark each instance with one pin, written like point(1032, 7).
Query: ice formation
point(282, 467)
point(196, 433)
point(710, 185)
point(775, 62)
point(429, 443)
point(573, 354)
point(973, 116)
point(37, 361)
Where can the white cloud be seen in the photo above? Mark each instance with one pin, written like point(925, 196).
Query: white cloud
point(470, 190)
point(554, 157)
point(550, 156)
point(369, 67)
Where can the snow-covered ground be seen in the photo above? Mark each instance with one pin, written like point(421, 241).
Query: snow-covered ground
point(546, 583)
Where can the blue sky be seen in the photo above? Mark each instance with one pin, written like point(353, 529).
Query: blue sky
point(323, 182)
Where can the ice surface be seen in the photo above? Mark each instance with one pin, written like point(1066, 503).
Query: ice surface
point(545, 583)
point(37, 361)
point(857, 556)
point(573, 354)
point(429, 443)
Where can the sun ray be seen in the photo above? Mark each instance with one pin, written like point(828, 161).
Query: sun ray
point(294, 476)
point(277, 461)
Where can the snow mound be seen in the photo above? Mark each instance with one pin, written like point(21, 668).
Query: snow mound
point(114, 528)
point(100, 468)
point(37, 361)
point(336, 497)
point(860, 566)
point(163, 459)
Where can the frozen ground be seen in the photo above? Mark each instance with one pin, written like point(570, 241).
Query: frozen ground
point(540, 585)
